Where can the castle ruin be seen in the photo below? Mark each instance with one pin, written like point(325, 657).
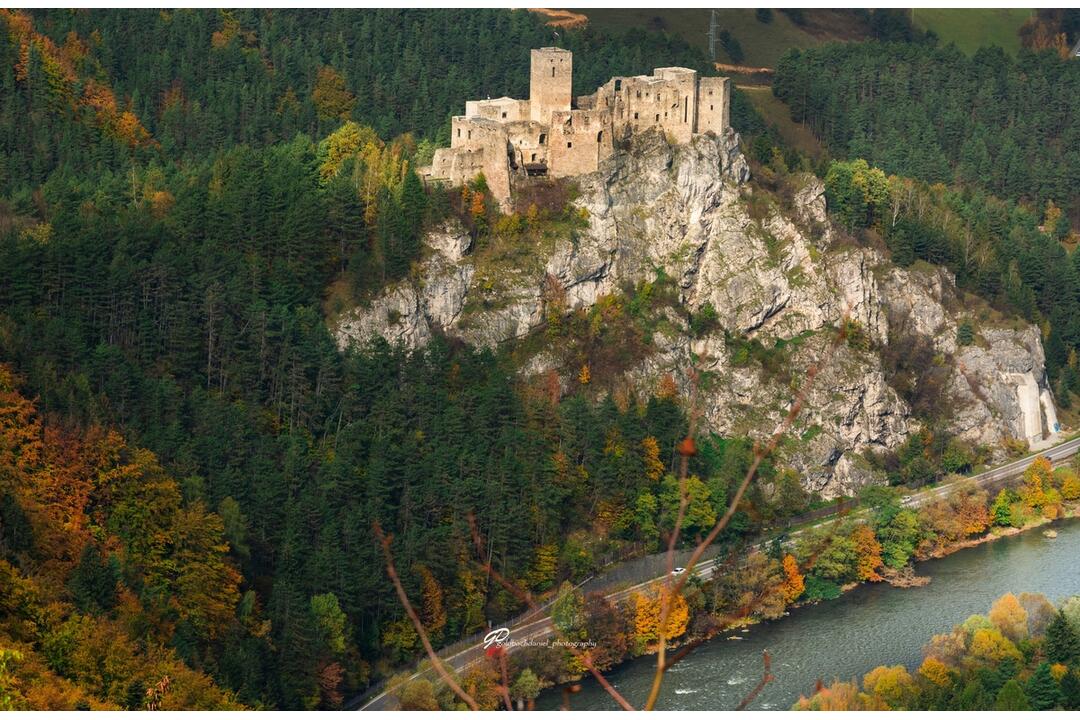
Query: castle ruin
point(552, 134)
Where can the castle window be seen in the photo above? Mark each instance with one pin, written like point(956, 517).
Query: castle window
point(710, 92)
point(468, 136)
point(504, 115)
point(552, 71)
point(569, 144)
point(459, 132)
point(635, 116)
point(534, 157)
point(685, 107)
point(710, 107)
point(657, 117)
point(600, 137)
point(543, 138)
point(639, 93)
point(618, 85)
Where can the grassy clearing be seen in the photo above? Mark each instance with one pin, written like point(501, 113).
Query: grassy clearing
point(777, 114)
point(971, 29)
point(762, 43)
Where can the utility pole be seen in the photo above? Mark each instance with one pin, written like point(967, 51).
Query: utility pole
point(714, 31)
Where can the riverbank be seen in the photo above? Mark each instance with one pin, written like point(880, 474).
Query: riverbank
point(740, 629)
point(869, 625)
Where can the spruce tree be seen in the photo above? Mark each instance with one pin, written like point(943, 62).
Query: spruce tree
point(1070, 690)
point(1042, 689)
point(1062, 643)
point(1011, 697)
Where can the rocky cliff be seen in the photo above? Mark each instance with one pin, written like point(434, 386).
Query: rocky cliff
point(763, 269)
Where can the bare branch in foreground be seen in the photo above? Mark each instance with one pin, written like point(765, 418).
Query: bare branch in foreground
point(384, 540)
point(566, 693)
point(760, 453)
point(528, 599)
point(766, 678)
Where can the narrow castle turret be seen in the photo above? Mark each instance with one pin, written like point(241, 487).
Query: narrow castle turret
point(551, 77)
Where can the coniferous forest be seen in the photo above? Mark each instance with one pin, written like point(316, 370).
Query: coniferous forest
point(173, 208)
point(191, 468)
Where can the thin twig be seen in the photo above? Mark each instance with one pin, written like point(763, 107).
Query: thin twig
point(504, 689)
point(528, 599)
point(760, 454)
point(384, 540)
point(766, 678)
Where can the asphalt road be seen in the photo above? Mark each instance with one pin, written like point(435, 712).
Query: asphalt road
point(537, 627)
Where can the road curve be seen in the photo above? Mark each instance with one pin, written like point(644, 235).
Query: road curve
point(533, 629)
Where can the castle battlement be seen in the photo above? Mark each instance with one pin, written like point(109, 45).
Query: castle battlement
point(554, 134)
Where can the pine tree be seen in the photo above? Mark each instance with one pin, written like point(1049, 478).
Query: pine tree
point(1011, 697)
point(1062, 643)
point(1042, 689)
point(1070, 690)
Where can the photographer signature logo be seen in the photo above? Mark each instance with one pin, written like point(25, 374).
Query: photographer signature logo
point(496, 637)
point(498, 640)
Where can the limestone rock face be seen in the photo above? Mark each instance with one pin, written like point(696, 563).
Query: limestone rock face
point(406, 313)
point(773, 274)
point(998, 389)
point(451, 240)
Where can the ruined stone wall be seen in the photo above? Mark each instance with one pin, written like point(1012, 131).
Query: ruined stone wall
point(714, 103)
point(645, 101)
point(580, 139)
point(505, 138)
point(502, 109)
point(679, 93)
point(529, 143)
point(477, 146)
point(550, 81)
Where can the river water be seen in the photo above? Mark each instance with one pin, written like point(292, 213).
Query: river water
point(844, 638)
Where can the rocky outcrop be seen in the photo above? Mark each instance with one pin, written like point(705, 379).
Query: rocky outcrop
point(770, 273)
point(407, 313)
point(997, 388)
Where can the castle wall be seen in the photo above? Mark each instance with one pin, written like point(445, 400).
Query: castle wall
point(550, 82)
point(714, 105)
point(502, 109)
point(580, 140)
point(678, 102)
point(505, 139)
point(478, 145)
point(529, 143)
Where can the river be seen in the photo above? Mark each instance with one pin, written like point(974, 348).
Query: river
point(844, 638)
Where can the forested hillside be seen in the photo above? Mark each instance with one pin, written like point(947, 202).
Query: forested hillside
point(984, 158)
point(178, 192)
point(1005, 126)
point(191, 468)
point(180, 85)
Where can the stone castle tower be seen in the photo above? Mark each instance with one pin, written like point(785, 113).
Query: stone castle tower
point(551, 78)
point(554, 134)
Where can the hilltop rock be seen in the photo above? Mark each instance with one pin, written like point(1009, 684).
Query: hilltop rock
point(769, 273)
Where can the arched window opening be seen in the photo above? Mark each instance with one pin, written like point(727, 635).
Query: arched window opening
point(543, 138)
point(600, 137)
